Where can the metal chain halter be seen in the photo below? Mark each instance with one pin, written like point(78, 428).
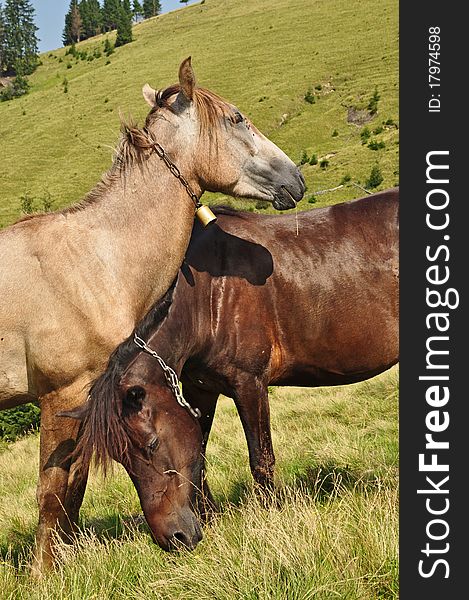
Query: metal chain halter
point(171, 377)
point(161, 153)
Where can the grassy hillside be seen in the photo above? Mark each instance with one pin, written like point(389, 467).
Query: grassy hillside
point(330, 533)
point(265, 56)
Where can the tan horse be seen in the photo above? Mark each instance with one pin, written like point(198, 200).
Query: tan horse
point(74, 283)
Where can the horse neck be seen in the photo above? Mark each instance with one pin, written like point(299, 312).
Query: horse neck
point(140, 226)
point(176, 338)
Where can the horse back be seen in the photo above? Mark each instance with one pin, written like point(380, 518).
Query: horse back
point(316, 308)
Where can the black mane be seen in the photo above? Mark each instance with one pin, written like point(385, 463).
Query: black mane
point(104, 430)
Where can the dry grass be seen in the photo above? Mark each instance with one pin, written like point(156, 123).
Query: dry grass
point(329, 532)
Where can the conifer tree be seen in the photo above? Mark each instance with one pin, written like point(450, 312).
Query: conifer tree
point(111, 14)
point(2, 35)
point(137, 10)
point(90, 12)
point(124, 26)
point(151, 8)
point(73, 24)
point(19, 38)
point(127, 7)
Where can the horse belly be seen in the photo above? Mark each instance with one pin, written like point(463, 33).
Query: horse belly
point(14, 383)
point(344, 340)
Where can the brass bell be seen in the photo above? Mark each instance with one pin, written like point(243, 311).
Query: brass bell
point(205, 215)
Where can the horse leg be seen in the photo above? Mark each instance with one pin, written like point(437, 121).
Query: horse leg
point(77, 480)
point(57, 441)
point(206, 402)
point(252, 402)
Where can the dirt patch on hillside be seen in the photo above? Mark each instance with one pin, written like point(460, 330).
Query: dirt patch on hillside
point(358, 116)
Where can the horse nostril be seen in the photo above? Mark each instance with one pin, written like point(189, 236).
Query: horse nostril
point(179, 538)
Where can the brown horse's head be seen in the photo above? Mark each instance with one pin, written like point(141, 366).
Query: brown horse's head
point(216, 147)
point(133, 417)
point(163, 459)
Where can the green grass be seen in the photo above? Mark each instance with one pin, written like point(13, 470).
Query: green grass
point(265, 56)
point(329, 532)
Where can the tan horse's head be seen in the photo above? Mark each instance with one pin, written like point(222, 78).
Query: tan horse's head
point(216, 147)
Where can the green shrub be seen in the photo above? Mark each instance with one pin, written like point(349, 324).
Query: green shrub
point(262, 204)
point(72, 50)
point(324, 163)
point(29, 204)
point(375, 178)
point(26, 203)
point(345, 179)
point(108, 47)
point(312, 199)
point(47, 202)
point(19, 87)
point(378, 130)
point(373, 103)
point(365, 135)
point(304, 158)
point(335, 133)
point(17, 421)
point(375, 145)
point(309, 97)
point(313, 160)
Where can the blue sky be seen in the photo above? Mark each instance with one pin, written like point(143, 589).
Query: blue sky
point(50, 16)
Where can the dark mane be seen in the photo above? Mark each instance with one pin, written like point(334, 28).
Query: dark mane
point(103, 430)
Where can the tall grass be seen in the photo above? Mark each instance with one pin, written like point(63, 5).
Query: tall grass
point(329, 531)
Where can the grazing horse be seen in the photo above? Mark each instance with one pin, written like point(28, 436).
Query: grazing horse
point(74, 283)
point(254, 305)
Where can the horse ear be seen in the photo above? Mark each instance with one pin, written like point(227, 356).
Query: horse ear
point(149, 94)
point(79, 413)
point(187, 78)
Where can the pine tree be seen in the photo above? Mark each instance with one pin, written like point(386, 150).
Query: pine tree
point(90, 11)
point(20, 40)
point(73, 24)
point(124, 26)
point(151, 8)
point(76, 24)
point(137, 10)
point(127, 7)
point(2, 35)
point(111, 14)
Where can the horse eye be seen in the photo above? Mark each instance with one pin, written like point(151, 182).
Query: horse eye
point(153, 445)
point(238, 117)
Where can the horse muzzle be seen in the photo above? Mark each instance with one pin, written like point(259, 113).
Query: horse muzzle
point(289, 192)
point(183, 534)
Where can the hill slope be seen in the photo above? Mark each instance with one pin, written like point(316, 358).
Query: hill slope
point(265, 56)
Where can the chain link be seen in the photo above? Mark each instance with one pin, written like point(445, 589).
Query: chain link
point(161, 153)
point(171, 377)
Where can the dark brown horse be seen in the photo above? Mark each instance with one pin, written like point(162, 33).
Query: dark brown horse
point(254, 305)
